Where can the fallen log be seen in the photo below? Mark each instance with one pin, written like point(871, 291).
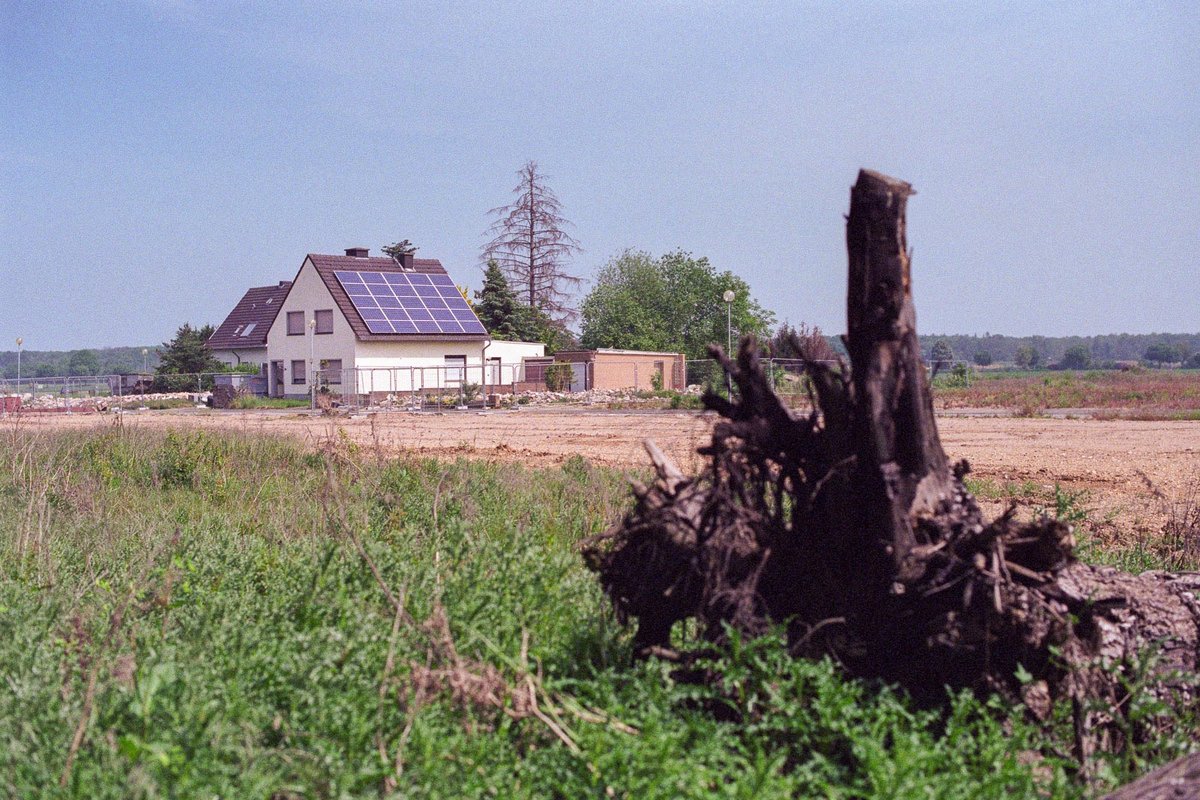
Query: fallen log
point(849, 525)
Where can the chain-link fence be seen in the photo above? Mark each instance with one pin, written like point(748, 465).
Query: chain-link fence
point(785, 374)
point(433, 386)
point(85, 393)
point(417, 388)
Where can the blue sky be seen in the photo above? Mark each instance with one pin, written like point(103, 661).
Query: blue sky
point(157, 159)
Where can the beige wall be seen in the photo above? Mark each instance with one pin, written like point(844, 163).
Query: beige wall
point(626, 370)
point(308, 294)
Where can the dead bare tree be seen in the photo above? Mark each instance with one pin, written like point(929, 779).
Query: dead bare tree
point(530, 242)
point(850, 525)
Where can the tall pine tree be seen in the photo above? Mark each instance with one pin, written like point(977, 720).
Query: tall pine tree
point(184, 354)
point(498, 308)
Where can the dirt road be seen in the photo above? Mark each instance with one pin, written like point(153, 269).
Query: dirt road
point(1021, 458)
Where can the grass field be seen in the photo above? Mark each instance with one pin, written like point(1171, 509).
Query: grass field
point(1136, 394)
point(214, 614)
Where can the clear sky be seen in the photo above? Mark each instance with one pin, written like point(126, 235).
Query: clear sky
point(157, 159)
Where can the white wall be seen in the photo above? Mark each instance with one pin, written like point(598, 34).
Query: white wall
point(250, 355)
point(512, 355)
point(409, 366)
point(414, 366)
point(309, 294)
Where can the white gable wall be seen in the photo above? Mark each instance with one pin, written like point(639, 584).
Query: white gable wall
point(309, 294)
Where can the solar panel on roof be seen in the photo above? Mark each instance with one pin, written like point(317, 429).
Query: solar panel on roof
point(403, 302)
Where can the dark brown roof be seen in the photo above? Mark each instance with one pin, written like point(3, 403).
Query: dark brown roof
point(327, 265)
point(250, 321)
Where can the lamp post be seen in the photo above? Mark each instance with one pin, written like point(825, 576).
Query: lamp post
point(20, 341)
point(142, 377)
point(312, 374)
point(728, 297)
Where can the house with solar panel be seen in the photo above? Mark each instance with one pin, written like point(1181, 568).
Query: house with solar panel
point(374, 326)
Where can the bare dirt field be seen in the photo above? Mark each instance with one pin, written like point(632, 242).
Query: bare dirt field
point(1018, 459)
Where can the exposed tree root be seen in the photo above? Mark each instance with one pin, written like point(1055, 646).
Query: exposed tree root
point(850, 526)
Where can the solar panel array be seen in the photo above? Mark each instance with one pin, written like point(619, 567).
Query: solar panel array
point(409, 302)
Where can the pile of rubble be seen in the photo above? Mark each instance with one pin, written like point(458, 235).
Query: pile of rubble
point(598, 396)
point(58, 402)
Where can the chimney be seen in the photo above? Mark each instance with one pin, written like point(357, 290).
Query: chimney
point(357, 252)
point(406, 261)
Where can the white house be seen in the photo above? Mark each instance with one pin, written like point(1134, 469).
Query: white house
point(376, 326)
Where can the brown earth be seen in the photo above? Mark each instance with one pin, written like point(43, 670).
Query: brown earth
point(1011, 458)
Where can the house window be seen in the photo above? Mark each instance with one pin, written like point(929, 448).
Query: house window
point(298, 371)
point(456, 367)
point(246, 331)
point(324, 319)
point(295, 323)
point(331, 370)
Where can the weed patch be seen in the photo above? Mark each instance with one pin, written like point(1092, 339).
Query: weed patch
point(194, 614)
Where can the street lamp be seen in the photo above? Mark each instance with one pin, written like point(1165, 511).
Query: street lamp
point(142, 377)
point(728, 297)
point(20, 341)
point(312, 344)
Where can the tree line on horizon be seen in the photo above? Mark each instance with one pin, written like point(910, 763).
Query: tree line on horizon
point(1068, 352)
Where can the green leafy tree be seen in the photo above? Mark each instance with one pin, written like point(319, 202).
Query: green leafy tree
point(941, 354)
point(185, 354)
point(83, 362)
point(982, 358)
point(401, 248)
point(672, 303)
point(1161, 353)
point(1027, 357)
point(1077, 357)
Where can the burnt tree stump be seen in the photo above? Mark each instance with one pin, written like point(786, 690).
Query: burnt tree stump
point(850, 525)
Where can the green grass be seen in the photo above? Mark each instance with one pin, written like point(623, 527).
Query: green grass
point(249, 401)
point(211, 589)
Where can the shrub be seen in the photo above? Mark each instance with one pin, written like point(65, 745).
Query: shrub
point(558, 377)
point(1077, 357)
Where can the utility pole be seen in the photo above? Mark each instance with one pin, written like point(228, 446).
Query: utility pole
point(144, 375)
point(728, 297)
point(20, 341)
